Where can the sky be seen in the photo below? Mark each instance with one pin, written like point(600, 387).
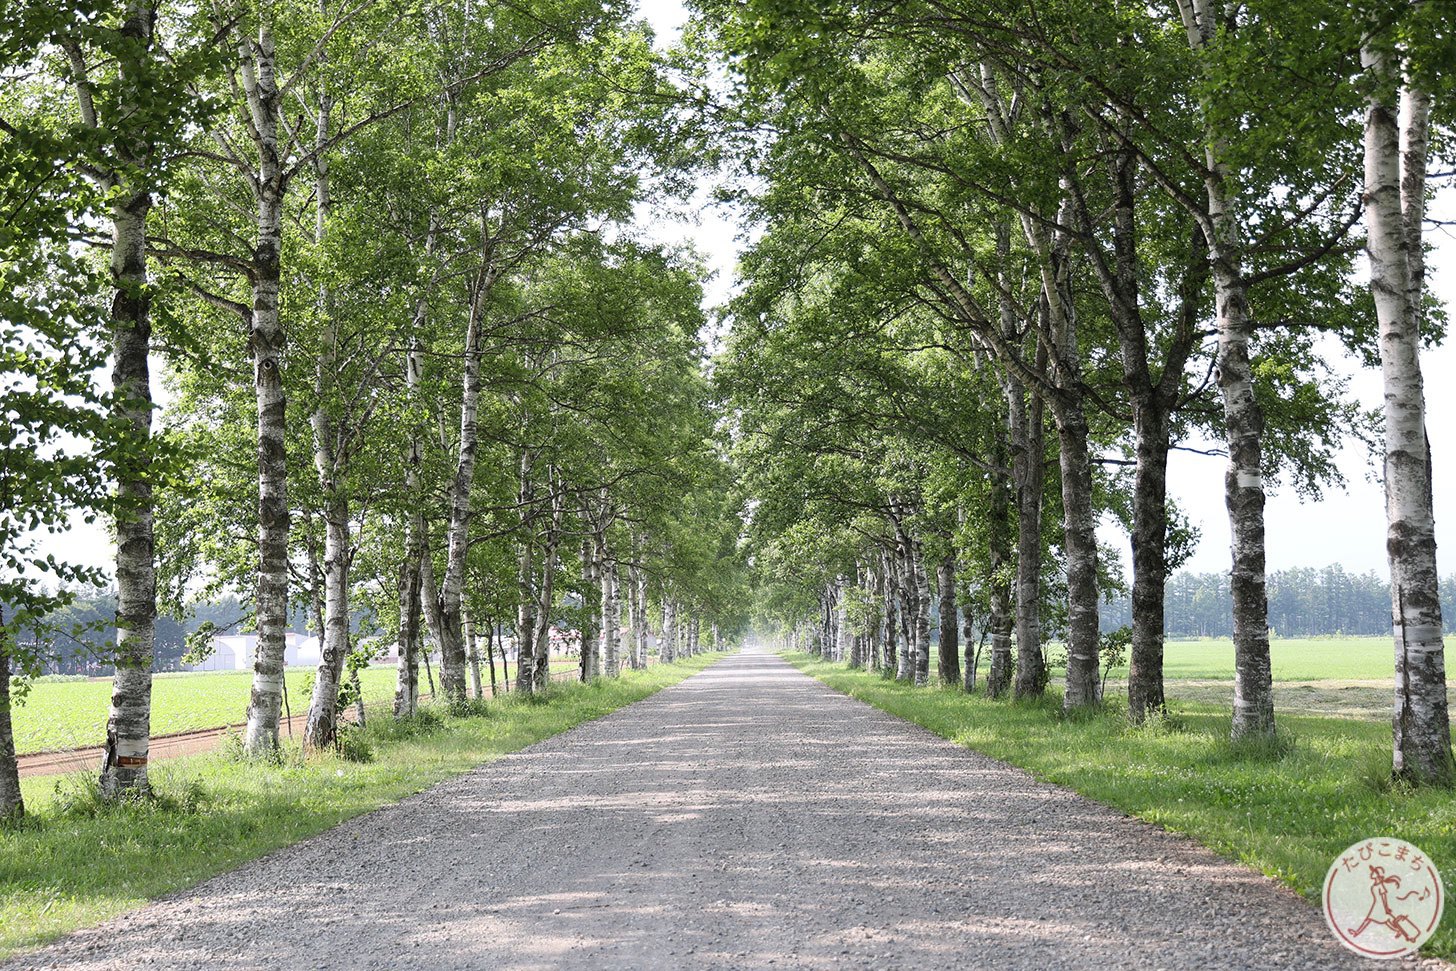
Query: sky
point(1345, 526)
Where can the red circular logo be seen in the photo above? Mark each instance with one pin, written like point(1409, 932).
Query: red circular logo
point(1383, 898)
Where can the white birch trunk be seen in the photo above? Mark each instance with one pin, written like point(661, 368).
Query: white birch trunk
point(1395, 177)
point(611, 618)
point(330, 462)
point(411, 580)
point(541, 674)
point(1243, 423)
point(591, 610)
point(472, 652)
point(667, 650)
point(12, 801)
point(265, 342)
point(128, 728)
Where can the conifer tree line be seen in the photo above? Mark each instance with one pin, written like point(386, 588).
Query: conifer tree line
point(1303, 602)
point(1012, 255)
point(418, 366)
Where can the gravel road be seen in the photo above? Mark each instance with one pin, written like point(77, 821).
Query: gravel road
point(747, 818)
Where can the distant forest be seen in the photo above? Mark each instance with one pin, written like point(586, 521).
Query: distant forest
point(1303, 602)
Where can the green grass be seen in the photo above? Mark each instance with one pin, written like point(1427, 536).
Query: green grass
point(74, 863)
point(1292, 659)
point(72, 714)
point(1335, 658)
point(1287, 815)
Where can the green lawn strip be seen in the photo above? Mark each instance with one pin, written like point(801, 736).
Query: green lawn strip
point(1287, 816)
point(57, 715)
point(73, 864)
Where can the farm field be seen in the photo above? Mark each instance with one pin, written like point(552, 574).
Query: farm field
point(58, 715)
point(1344, 677)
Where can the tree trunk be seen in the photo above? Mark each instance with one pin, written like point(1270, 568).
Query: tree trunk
point(1027, 433)
point(452, 645)
point(611, 617)
point(265, 342)
point(667, 650)
point(591, 597)
point(128, 726)
point(321, 725)
point(922, 614)
point(1394, 207)
point(541, 673)
point(473, 655)
point(639, 616)
point(12, 803)
point(1243, 421)
point(999, 580)
point(1080, 544)
point(1149, 562)
point(950, 663)
point(972, 648)
point(890, 619)
point(491, 640)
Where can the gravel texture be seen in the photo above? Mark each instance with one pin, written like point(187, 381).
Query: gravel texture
point(749, 817)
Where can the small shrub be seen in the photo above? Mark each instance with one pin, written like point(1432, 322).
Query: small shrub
point(78, 797)
point(423, 722)
point(352, 744)
point(468, 708)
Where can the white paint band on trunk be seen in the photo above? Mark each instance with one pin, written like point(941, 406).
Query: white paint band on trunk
point(132, 748)
point(1249, 480)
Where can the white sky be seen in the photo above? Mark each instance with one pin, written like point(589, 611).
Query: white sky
point(1347, 526)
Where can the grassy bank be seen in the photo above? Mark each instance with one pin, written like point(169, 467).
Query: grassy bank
point(74, 863)
point(1287, 813)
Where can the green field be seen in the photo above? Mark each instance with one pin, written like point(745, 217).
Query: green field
point(1287, 812)
point(74, 862)
point(1292, 659)
point(59, 715)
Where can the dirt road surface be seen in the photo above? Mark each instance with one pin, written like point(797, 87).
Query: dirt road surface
point(747, 818)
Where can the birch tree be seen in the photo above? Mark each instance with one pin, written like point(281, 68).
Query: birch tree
point(1397, 123)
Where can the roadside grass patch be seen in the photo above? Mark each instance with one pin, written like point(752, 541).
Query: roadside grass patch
point(1286, 808)
point(77, 860)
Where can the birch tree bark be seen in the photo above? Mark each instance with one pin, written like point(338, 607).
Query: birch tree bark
point(128, 727)
point(257, 70)
point(668, 649)
point(457, 536)
point(1027, 436)
point(1243, 420)
point(411, 606)
point(472, 651)
point(591, 610)
point(12, 802)
point(922, 613)
point(1001, 570)
point(1395, 186)
point(541, 673)
point(331, 459)
point(611, 617)
point(891, 660)
point(949, 658)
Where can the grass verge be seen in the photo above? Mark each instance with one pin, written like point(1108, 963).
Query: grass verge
point(75, 862)
point(1287, 810)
